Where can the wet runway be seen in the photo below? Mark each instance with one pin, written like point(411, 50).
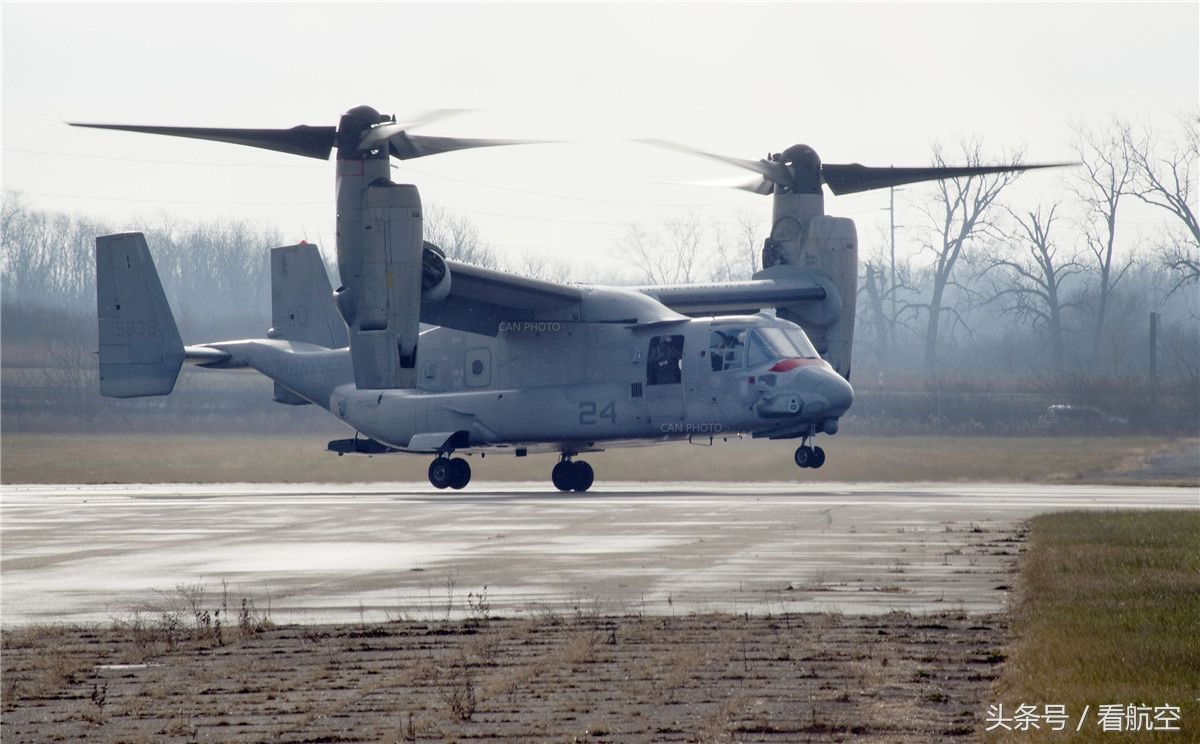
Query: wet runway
point(319, 552)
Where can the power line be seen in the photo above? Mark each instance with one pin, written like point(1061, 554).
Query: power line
point(571, 198)
point(157, 200)
point(497, 187)
point(597, 200)
point(155, 160)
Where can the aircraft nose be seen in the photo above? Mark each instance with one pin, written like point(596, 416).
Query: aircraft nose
point(837, 393)
point(825, 393)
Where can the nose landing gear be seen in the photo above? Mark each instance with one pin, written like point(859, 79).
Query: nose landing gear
point(809, 457)
point(572, 475)
point(449, 473)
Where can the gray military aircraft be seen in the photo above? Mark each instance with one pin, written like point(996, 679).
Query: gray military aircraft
point(505, 363)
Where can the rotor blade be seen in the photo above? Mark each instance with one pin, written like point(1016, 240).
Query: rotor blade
point(408, 146)
point(311, 142)
point(776, 172)
point(851, 178)
point(432, 115)
point(376, 136)
point(762, 186)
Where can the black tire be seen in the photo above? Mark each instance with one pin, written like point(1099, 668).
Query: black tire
point(582, 476)
point(440, 471)
point(460, 473)
point(561, 476)
point(818, 457)
point(804, 456)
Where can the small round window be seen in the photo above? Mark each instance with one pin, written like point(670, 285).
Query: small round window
point(477, 367)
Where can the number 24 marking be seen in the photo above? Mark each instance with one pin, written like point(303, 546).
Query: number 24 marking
point(588, 415)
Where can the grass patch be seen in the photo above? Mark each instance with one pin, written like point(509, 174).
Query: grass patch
point(142, 458)
point(1109, 612)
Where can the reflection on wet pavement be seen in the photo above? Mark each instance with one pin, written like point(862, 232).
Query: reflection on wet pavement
point(333, 553)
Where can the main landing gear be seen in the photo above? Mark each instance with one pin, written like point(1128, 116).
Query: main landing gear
point(449, 473)
point(809, 457)
point(572, 475)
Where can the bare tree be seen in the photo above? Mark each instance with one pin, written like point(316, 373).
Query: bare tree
point(880, 289)
point(1166, 180)
point(873, 288)
point(957, 217)
point(736, 251)
point(1028, 282)
point(537, 266)
point(668, 255)
point(1107, 176)
point(458, 236)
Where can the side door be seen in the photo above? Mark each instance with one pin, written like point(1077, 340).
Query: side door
point(664, 389)
point(727, 367)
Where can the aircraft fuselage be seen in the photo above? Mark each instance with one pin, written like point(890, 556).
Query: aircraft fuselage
point(575, 385)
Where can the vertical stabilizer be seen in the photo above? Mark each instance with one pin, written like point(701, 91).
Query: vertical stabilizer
point(140, 348)
point(302, 306)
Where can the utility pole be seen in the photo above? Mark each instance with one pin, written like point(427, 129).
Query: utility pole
point(892, 220)
point(1154, 364)
point(891, 208)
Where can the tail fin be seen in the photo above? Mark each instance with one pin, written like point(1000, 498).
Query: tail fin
point(140, 348)
point(302, 306)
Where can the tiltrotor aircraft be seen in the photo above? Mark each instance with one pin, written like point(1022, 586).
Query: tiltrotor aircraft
point(513, 364)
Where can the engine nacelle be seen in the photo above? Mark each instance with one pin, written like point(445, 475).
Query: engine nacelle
point(825, 249)
point(435, 274)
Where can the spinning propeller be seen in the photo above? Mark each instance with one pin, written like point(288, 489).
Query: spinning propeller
point(799, 170)
point(362, 133)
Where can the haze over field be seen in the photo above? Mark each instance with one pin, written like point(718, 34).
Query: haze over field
point(870, 83)
point(866, 83)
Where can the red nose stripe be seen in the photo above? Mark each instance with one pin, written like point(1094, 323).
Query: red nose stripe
point(786, 364)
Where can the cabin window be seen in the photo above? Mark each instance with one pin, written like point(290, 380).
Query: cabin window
point(664, 361)
point(788, 341)
point(759, 352)
point(727, 348)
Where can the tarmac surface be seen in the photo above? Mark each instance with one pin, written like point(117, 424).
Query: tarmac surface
point(338, 553)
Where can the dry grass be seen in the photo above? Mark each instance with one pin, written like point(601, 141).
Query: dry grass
point(39, 458)
point(1109, 613)
point(821, 678)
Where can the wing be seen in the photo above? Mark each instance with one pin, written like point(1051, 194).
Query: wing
point(481, 299)
point(735, 298)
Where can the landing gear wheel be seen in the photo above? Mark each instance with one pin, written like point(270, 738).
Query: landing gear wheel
point(582, 476)
point(818, 457)
point(805, 456)
point(460, 473)
point(562, 474)
point(441, 472)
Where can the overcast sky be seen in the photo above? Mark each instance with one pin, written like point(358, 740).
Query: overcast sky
point(871, 83)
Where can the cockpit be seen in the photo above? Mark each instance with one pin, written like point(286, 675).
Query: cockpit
point(737, 345)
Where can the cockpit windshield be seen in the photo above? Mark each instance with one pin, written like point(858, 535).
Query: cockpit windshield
point(774, 342)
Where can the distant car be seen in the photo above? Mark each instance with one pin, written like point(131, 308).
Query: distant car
point(1066, 416)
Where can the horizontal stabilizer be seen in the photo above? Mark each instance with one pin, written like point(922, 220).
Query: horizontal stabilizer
point(140, 348)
